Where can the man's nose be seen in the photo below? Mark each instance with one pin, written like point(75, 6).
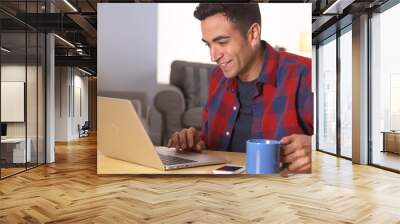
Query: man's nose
point(215, 54)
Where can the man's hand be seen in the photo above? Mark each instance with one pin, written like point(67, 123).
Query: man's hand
point(296, 151)
point(187, 139)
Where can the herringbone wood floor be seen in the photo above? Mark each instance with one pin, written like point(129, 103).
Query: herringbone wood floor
point(69, 191)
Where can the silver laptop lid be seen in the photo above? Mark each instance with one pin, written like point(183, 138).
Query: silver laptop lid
point(121, 135)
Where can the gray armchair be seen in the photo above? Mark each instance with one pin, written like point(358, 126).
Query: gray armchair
point(181, 102)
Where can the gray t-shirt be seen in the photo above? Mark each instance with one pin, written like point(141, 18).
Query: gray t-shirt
point(242, 128)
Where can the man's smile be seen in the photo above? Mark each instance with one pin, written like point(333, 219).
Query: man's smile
point(224, 65)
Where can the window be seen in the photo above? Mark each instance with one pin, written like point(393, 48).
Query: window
point(327, 96)
point(22, 77)
point(346, 93)
point(385, 89)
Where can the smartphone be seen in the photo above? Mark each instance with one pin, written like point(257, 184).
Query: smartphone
point(229, 169)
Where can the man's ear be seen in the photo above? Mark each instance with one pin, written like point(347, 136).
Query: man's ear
point(254, 34)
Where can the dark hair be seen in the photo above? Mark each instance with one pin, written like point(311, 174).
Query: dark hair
point(243, 15)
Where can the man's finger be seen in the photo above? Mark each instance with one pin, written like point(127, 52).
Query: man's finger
point(175, 140)
point(286, 140)
point(200, 146)
point(182, 139)
point(288, 149)
point(300, 162)
point(304, 169)
point(169, 143)
point(190, 137)
point(294, 155)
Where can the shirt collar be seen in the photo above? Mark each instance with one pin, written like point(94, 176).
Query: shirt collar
point(268, 71)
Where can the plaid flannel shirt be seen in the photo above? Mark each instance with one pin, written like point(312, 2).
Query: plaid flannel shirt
point(282, 104)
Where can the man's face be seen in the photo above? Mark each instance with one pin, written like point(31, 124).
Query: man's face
point(228, 47)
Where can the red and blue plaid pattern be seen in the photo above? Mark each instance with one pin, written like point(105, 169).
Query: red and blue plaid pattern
point(282, 104)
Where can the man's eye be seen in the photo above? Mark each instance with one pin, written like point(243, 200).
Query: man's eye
point(223, 43)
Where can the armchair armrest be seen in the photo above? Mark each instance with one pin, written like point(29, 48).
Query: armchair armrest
point(137, 104)
point(170, 102)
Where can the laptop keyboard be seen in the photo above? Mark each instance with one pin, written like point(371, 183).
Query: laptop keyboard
point(173, 160)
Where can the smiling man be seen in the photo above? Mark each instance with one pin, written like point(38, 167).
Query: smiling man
point(255, 92)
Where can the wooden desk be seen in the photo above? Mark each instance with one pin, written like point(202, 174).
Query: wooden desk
point(107, 165)
point(391, 141)
point(15, 148)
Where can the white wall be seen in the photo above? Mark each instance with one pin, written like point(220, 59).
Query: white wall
point(12, 101)
point(179, 33)
point(61, 103)
point(11, 73)
point(67, 116)
point(81, 103)
point(127, 48)
point(33, 126)
point(15, 73)
point(82, 82)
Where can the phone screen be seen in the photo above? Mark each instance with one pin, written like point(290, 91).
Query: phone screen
point(229, 168)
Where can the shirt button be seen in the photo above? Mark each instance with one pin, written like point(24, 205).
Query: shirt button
point(234, 108)
point(227, 133)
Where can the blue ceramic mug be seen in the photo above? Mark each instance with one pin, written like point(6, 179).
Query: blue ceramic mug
point(262, 156)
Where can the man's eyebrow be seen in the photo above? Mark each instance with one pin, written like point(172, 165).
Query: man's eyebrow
point(220, 38)
point(216, 39)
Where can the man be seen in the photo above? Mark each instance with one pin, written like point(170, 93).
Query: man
point(255, 92)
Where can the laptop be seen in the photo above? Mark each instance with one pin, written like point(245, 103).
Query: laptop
point(122, 136)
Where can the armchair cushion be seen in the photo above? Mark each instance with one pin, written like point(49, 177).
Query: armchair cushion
point(170, 102)
point(192, 78)
point(181, 102)
point(169, 99)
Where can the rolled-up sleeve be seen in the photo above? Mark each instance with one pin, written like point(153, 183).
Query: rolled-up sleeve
point(305, 100)
point(204, 126)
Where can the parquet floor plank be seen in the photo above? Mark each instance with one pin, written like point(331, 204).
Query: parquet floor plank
point(70, 191)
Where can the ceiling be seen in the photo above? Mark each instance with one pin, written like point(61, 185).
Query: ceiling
point(76, 22)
